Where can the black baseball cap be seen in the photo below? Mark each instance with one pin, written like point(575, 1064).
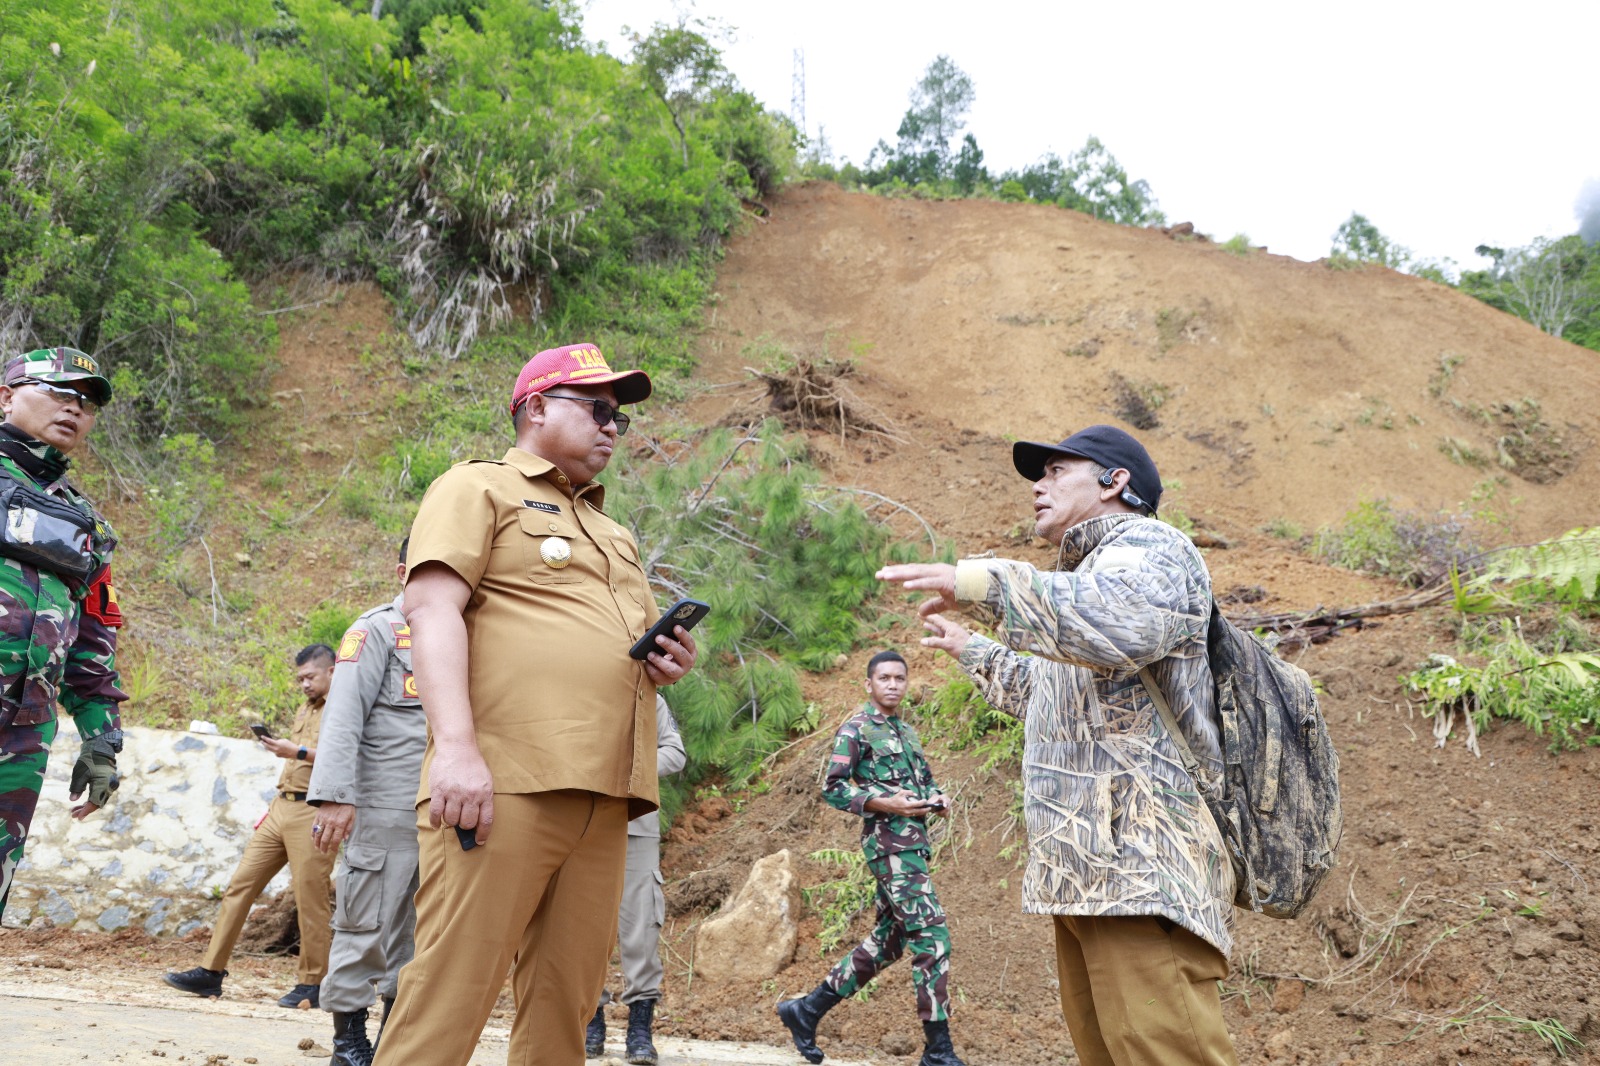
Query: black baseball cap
point(1107, 445)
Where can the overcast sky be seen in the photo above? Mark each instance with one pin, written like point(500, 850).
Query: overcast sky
point(1447, 124)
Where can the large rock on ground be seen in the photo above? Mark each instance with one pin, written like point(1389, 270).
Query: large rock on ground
point(754, 937)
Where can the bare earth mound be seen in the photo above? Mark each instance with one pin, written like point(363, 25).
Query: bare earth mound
point(1269, 390)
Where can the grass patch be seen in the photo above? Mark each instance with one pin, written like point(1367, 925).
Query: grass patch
point(1377, 537)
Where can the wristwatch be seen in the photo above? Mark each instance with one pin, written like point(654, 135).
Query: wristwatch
point(301, 754)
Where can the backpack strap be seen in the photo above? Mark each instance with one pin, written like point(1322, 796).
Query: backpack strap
point(1168, 719)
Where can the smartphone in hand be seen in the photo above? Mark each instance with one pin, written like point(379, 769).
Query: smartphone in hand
point(685, 613)
point(261, 731)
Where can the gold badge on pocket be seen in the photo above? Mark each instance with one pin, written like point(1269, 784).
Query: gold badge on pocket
point(555, 552)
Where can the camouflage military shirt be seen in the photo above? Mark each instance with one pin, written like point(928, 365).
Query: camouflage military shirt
point(58, 636)
point(877, 754)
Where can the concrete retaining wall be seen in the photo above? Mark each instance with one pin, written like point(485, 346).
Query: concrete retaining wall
point(168, 843)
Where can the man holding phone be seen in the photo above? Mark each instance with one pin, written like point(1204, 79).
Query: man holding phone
point(282, 836)
point(879, 772)
point(523, 598)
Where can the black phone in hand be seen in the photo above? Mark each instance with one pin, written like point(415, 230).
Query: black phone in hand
point(685, 613)
point(262, 731)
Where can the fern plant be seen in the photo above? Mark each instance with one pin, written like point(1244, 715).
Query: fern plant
point(1545, 676)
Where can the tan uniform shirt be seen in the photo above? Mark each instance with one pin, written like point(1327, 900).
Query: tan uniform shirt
point(296, 776)
point(556, 701)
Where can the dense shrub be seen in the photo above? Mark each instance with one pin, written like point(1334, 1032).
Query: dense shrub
point(479, 160)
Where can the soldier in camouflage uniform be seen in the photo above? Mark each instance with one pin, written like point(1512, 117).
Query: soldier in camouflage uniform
point(1122, 851)
point(878, 771)
point(58, 610)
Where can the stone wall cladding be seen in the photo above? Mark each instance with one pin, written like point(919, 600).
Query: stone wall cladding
point(178, 826)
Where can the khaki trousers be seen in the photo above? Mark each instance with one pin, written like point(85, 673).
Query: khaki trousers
point(1141, 991)
point(540, 898)
point(284, 836)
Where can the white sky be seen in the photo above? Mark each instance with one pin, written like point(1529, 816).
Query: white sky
point(1446, 124)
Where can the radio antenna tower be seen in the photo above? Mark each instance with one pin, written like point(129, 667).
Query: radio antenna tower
point(797, 91)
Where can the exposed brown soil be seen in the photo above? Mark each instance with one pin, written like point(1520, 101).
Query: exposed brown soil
point(1274, 391)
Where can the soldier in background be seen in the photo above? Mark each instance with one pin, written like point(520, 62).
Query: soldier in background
point(364, 787)
point(282, 836)
point(878, 771)
point(639, 919)
point(58, 610)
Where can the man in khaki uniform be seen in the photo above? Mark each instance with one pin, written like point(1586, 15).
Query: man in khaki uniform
point(284, 835)
point(523, 599)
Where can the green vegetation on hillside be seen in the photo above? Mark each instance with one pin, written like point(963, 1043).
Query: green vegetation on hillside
point(1529, 648)
point(480, 161)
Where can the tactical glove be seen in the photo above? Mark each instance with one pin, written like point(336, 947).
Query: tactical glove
point(96, 770)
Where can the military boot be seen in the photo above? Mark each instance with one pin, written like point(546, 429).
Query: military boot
point(937, 1050)
point(802, 1017)
point(594, 1037)
point(350, 1045)
point(640, 1048)
point(388, 1005)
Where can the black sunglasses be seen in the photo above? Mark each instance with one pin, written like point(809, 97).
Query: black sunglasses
point(603, 412)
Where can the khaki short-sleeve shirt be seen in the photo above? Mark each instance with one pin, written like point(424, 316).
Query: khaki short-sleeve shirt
point(556, 701)
point(296, 776)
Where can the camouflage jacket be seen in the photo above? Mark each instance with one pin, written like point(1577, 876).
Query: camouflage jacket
point(1115, 825)
point(877, 754)
point(58, 636)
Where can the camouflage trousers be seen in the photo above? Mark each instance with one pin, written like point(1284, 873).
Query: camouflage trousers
point(909, 916)
point(24, 750)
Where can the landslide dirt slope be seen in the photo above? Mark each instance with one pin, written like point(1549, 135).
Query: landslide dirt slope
point(1291, 390)
point(1463, 904)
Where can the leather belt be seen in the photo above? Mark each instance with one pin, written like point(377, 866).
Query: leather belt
point(294, 797)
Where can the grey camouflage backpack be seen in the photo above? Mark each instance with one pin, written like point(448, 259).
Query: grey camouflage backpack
point(1278, 808)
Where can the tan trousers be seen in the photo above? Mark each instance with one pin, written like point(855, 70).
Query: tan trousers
point(540, 898)
point(1141, 991)
point(284, 836)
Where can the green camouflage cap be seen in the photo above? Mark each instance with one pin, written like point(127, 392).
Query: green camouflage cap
point(59, 364)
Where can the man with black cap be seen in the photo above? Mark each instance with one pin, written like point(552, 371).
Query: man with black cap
point(58, 609)
point(523, 598)
point(1122, 852)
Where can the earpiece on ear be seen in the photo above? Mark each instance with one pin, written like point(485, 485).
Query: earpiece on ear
point(1107, 479)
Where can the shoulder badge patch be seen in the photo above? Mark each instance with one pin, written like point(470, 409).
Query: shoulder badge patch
point(540, 505)
point(409, 686)
point(402, 635)
point(350, 647)
point(101, 601)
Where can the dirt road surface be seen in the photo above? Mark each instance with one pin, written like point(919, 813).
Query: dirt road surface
point(52, 1026)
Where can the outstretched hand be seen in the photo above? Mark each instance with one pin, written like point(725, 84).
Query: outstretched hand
point(937, 578)
point(949, 637)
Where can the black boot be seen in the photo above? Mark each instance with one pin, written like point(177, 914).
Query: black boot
point(350, 1045)
point(594, 1037)
point(200, 981)
point(641, 1050)
point(937, 1050)
point(388, 1005)
point(802, 1017)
